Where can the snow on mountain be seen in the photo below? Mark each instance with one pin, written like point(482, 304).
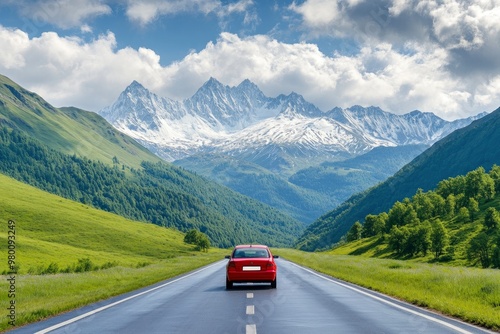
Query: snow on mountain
point(234, 120)
point(412, 128)
point(227, 108)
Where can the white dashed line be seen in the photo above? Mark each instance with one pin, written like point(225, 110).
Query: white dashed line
point(251, 329)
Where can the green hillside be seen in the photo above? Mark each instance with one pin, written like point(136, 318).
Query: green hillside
point(457, 223)
point(50, 228)
point(78, 155)
point(158, 193)
point(68, 130)
point(460, 152)
point(68, 254)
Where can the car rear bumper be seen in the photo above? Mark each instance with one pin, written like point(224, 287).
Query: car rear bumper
point(244, 276)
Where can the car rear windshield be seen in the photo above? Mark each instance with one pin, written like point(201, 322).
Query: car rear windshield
point(250, 253)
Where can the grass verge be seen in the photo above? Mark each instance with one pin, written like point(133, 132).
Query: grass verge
point(470, 294)
point(42, 296)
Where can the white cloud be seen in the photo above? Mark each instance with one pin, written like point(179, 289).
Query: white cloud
point(86, 28)
point(468, 29)
point(90, 75)
point(144, 12)
point(14, 42)
point(381, 76)
point(318, 13)
point(450, 21)
point(69, 72)
point(62, 13)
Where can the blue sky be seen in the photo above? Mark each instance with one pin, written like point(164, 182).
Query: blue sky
point(401, 55)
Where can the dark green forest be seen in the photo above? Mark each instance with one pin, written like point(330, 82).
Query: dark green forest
point(158, 193)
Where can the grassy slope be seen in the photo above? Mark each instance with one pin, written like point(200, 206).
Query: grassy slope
point(68, 130)
point(471, 294)
point(50, 229)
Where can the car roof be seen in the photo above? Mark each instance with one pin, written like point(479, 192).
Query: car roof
point(251, 246)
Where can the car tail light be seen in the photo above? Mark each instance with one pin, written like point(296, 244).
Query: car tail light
point(231, 264)
point(270, 265)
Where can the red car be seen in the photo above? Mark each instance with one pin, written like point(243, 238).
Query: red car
point(251, 263)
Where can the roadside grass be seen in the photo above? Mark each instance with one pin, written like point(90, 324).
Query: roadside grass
point(42, 296)
point(470, 294)
point(69, 254)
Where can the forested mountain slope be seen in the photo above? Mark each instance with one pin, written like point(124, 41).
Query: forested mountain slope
point(158, 192)
point(78, 155)
point(460, 152)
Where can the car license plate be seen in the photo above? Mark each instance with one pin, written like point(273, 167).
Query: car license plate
point(251, 268)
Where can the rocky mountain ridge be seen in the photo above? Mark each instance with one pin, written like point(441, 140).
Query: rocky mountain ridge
point(237, 120)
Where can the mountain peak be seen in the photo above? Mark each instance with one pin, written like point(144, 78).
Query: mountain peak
point(295, 96)
point(134, 87)
point(294, 104)
point(136, 84)
point(228, 119)
point(247, 84)
point(417, 113)
point(209, 88)
point(213, 83)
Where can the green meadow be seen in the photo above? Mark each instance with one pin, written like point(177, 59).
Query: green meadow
point(470, 294)
point(68, 254)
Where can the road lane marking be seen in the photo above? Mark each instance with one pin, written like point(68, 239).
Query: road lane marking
point(444, 323)
point(251, 329)
point(250, 309)
point(88, 314)
point(249, 295)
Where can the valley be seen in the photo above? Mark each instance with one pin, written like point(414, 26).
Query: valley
point(250, 167)
point(277, 150)
point(90, 204)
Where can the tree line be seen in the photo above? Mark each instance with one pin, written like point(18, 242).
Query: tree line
point(422, 224)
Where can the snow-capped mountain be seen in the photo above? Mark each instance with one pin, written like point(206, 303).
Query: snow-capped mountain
point(241, 120)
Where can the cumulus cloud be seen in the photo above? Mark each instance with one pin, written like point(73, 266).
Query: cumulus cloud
point(90, 75)
point(67, 71)
point(144, 12)
point(318, 13)
point(378, 75)
point(469, 30)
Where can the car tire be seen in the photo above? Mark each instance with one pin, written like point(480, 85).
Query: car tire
point(274, 283)
point(229, 285)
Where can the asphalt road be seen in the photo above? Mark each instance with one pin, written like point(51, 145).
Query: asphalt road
point(304, 302)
